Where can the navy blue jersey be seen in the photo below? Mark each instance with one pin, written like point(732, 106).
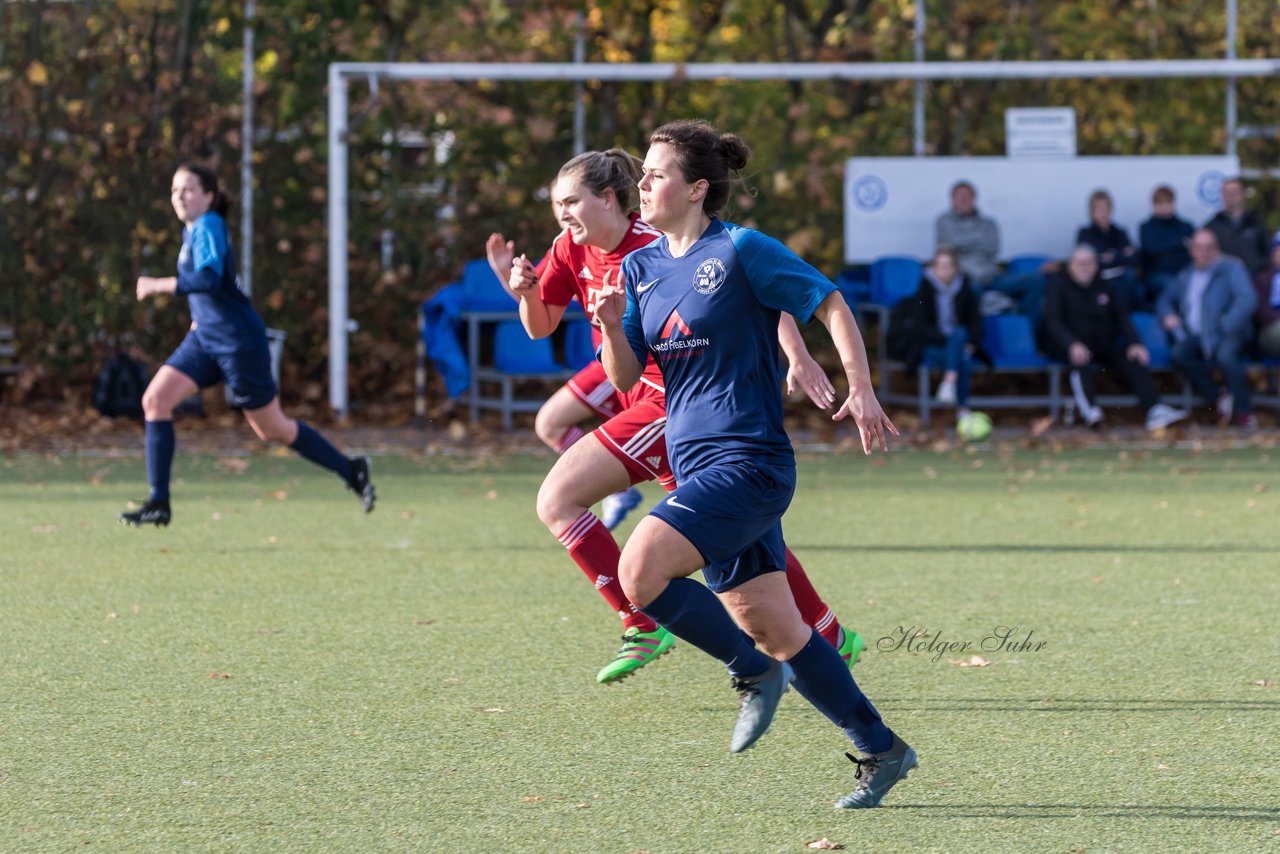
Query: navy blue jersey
point(224, 317)
point(710, 319)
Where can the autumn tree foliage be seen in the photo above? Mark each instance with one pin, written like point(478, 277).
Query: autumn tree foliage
point(99, 101)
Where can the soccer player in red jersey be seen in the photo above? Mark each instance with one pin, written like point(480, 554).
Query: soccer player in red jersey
point(587, 396)
point(594, 197)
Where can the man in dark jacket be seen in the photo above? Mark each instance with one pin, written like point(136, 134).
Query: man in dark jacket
point(1087, 327)
point(1117, 258)
point(940, 326)
point(1241, 233)
point(1163, 240)
point(1209, 313)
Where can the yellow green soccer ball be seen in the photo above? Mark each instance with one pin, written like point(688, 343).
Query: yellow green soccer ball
point(974, 427)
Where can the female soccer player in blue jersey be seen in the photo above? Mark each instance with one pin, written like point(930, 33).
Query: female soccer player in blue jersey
point(227, 342)
point(703, 301)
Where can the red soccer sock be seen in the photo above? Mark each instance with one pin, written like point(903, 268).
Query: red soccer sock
point(812, 609)
point(596, 553)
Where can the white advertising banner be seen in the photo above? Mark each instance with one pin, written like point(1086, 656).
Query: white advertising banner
point(891, 203)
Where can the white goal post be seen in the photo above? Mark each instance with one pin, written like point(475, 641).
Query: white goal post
point(342, 73)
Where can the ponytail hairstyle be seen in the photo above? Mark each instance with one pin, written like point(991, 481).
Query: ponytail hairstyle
point(209, 183)
point(705, 154)
point(614, 170)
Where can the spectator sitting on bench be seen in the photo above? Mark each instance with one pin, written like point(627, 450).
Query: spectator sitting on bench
point(1087, 327)
point(1163, 244)
point(940, 326)
point(1116, 256)
point(1267, 284)
point(1208, 311)
point(1241, 233)
point(974, 238)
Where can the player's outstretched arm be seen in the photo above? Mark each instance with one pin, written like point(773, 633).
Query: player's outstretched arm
point(802, 370)
point(149, 286)
point(861, 405)
point(620, 362)
point(500, 253)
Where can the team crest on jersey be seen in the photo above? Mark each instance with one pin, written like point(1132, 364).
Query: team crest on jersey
point(709, 276)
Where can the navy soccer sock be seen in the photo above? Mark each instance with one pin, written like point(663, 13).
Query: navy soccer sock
point(312, 446)
point(160, 445)
point(824, 680)
point(692, 613)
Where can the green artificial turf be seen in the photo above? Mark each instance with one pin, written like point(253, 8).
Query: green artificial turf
point(277, 672)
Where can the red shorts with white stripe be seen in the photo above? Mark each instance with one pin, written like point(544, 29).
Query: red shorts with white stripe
point(592, 387)
point(638, 438)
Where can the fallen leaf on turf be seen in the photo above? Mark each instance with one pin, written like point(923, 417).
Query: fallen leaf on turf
point(1097, 579)
point(1040, 425)
point(824, 844)
point(234, 464)
point(1264, 683)
point(1259, 487)
point(972, 661)
point(280, 495)
point(532, 799)
point(406, 514)
point(44, 529)
point(493, 710)
point(219, 675)
point(491, 494)
point(423, 622)
point(1163, 767)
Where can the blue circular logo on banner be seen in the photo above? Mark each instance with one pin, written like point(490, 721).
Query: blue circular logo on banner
point(1209, 187)
point(869, 193)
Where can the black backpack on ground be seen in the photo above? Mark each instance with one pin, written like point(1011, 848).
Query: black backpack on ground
point(118, 390)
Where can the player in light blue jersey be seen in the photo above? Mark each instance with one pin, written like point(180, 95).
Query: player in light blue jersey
point(704, 300)
point(227, 342)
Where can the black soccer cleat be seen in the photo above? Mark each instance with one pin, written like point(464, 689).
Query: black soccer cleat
point(153, 512)
point(360, 483)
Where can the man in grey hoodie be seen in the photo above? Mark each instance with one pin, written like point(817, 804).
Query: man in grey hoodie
point(975, 238)
point(1208, 312)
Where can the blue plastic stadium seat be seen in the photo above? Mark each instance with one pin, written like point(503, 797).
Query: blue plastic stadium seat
point(579, 348)
point(1153, 337)
point(855, 285)
point(1011, 342)
point(893, 278)
point(481, 290)
point(1020, 264)
point(514, 352)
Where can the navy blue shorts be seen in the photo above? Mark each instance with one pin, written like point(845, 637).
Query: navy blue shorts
point(247, 372)
point(732, 513)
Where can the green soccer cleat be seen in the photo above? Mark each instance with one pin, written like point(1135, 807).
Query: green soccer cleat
point(851, 646)
point(638, 649)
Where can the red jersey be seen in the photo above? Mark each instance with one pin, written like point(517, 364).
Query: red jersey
point(571, 271)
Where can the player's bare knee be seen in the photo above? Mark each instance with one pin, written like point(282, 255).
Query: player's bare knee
point(554, 507)
point(548, 429)
point(637, 582)
point(153, 408)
